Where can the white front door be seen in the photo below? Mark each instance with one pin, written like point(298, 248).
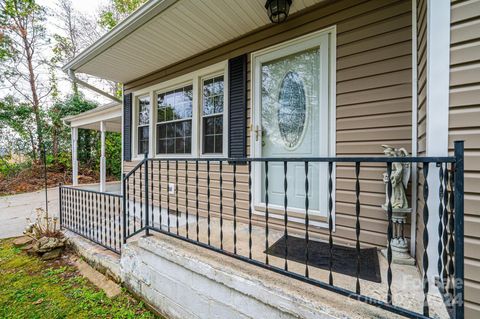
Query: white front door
point(292, 121)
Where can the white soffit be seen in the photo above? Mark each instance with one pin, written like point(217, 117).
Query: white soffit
point(184, 29)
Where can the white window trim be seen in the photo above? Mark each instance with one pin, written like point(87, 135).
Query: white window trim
point(136, 105)
point(193, 78)
point(225, 113)
point(322, 37)
point(154, 120)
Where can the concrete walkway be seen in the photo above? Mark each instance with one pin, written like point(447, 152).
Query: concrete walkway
point(14, 210)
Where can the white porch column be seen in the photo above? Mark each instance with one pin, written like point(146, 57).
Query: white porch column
point(103, 173)
point(74, 156)
point(437, 102)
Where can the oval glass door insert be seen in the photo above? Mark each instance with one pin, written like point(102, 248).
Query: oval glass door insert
point(292, 110)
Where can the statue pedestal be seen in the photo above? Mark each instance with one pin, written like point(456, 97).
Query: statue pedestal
point(399, 243)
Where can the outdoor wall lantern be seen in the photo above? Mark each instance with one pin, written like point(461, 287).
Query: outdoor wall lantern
point(278, 10)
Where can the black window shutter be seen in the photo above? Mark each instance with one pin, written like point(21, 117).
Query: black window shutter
point(237, 103)
point(127, 127)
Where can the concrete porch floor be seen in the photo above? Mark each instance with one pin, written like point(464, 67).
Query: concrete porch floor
point(407, 286)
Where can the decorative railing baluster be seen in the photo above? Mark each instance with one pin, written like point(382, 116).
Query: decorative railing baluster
point(459, 239)
point(99, 206)
point(440, 222)
point(250, 209)
point(425, 239)
point(389, 234)
point(141, 200)
point(177, 216)
point(357, 224)
point(160, 194)
point(152, 196)
point(220, 168)
point(451, 244)
point(104, 220)
point(147, 197)
point(235, 207)
point(110, 220)
point(126, 204)
point(447, 192)
point(330, 223)
point(285, 213)
point(196, 199)
point(114, 220)
point(121, 216)
point(90, 215)
point(134, 203)
point(307, 222)
point(168, 195)
point(186, 198)
point(208, 201)
point(266, 213)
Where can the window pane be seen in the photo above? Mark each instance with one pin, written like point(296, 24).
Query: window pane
point(209, 125)
point(188, 145)
point(143, 111)
point(170, 146)
point(209, 144)
point(161, 131)
point(213, 103)
point(168, 113)
point(219, 104)
point(208, 105)
point(161, 115)
point(218, 143)
point(187, 128)
point(179, 146)
point(171, 130)
point(179, 129)
point(142, 139)
point(219, 124)
point(212, 96)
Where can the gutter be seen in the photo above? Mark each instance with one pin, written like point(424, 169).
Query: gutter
point(142, 15)
point(71, 75)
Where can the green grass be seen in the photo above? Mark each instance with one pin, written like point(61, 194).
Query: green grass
point(31, 288)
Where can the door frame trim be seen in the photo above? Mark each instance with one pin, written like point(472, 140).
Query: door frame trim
point(325, 38)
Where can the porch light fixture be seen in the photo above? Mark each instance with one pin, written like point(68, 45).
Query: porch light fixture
point(278, 10)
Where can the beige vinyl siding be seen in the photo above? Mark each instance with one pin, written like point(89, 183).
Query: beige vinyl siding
point(373, 97)
point(464, 124)
point(421, 118)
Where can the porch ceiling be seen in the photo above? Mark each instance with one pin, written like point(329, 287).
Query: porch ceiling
point(110, 114)
point(163, 32)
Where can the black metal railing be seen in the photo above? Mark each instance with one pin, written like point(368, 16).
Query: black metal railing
point(209, 202)
point(94, 215)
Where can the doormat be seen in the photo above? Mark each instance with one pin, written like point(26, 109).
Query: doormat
point(344, 258)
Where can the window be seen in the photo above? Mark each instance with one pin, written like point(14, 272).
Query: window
point(143, 120)
point(174, 121)
point(212, 115)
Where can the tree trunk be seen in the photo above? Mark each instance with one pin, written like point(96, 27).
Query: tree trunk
point(35, 100)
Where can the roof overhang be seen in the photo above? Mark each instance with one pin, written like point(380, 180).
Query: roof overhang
point(163, 32)
point(110, 114)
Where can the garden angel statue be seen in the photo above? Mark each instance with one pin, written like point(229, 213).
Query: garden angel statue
point(399, 177)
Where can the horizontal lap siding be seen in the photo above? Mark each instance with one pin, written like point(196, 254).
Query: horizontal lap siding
point(373, 99)
point(464, 124)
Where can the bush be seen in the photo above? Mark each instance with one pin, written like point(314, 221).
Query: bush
point(10, 169)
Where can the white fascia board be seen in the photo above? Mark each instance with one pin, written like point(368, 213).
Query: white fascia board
point(91, 118)
point(145, 13)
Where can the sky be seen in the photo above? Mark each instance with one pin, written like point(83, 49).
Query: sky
point(86, 6)
point(90, 7)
